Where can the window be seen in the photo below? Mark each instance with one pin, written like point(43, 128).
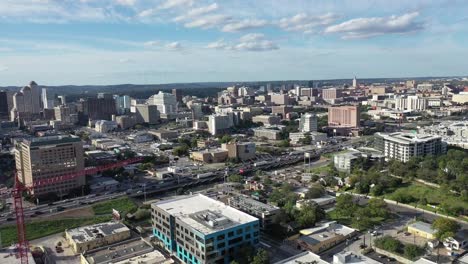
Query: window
point(239, 231)
point(235, 240)
point(221, 245)
point(220, 237)
point(230, 234)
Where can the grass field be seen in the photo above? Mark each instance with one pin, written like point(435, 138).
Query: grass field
point(434, 196)
point(40, 229)
point(124, 205)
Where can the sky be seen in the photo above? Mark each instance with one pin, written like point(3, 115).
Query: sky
point(61, 42)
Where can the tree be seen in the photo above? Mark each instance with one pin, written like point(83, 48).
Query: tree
point(445, 228)
point(235, 178)
point(181, 150)
point(345, 206)
point(377, 207)
point(261, 257)
point(388, 243)
point(361, 219)
point(412, 251)
point(309, 214)
point(315, 191)
point(225, 139)
point(284, 143)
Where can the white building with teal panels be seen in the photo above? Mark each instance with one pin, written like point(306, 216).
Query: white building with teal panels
point(198, 229)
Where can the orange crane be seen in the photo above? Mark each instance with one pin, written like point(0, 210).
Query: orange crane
point(19, 188)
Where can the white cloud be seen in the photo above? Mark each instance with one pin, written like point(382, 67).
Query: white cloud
point(209, 21)
point(252, 37)
point(244, 25)
point(152, 43)
point(175, 3)
point(220, 44)
point(376, 26)
point(126, 2)
point(126, 60)
point(3, 68)
point(306, 23)
point(174, 46)
point(248, 42)
point(196, 12)
point(147, 12)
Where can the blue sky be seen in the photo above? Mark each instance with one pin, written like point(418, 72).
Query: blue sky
point(56, 42)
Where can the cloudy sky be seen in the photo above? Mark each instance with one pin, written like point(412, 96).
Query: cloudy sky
point(58, 42)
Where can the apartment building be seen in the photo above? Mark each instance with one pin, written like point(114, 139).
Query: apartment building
point(343, 116)
point(308, 123)
point(48, 157)
point(403, 146)
point(198, 229)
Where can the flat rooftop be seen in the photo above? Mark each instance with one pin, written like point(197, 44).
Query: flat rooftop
point(425, 227)
point(204, 214)
point(408, 138)
point(51, 140)
point(253, 204)
point(97, 231)
point(304, 257)
point(132, 251)
point(324, 232)
point(350, 257)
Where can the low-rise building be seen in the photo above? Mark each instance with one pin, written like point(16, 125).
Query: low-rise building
point(164, 135)
point(132, 251)
point(210, 155)
point(105, 126)
point(351, 257)
point(323, 237)
point(240, 150)
point(271, 133)
point(304, 257)
point(141, 137)
point(267, 120)
point(316, 137)
point(86, 238)
point(422, 229)
point(345, 161)
point(264, 212)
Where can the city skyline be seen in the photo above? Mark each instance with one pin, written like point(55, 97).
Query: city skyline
point(177, 41)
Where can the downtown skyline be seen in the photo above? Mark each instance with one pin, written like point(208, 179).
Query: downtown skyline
point(175, 41)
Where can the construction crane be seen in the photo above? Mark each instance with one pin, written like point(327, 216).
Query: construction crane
point(23, 244)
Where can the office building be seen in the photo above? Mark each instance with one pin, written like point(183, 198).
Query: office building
point(315, 137)
point(122, 104)
point(164, 135)
point(4, 109)
point(66, 114)
point(345, 161)
point(86, 238)
point(101, 108)
point(264, 212)
point(280, 99)
point(343, 116)
point(461, 98)
point(267, 120)
point(332, 93)
point(147, 114)
point(198, 229)
point(197, 111)
point(403, 146)
point(48, 157)
point(26, 103)
point(281, 110)
point(308, 123)
point(240, 150)
point(46, 102)
point(165, 102)
point(245, 91)
point(178, 94)
point(220, 123)
point(271, 133)
point(425, 87)
point(62, 99)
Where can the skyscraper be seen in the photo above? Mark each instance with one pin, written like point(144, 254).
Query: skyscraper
point(355, 84)
point(166, 103)
point(178, 94)
point(46, 102)
point(3, 104)
point(26, 103)
point(47, 157)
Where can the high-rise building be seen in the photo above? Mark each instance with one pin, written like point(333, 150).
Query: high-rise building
point(147, 114)
point(122, 104)
point(3, 104)
point(198, 229)
point(178, 94)
point(219, 123)
point(46, 102)
point(48, 157)
point(99, 108)
point(280, 99)
point(62, 99)
point(343, 116)
point(403, 146)
point(66, 113)
point(166, 103)
point(26, 103)
point(197, 111)
point(308, 123)
point(355, 84)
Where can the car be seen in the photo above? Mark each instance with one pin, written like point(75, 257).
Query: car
point(38, 212)
point(60, 208)
point(10, 219)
